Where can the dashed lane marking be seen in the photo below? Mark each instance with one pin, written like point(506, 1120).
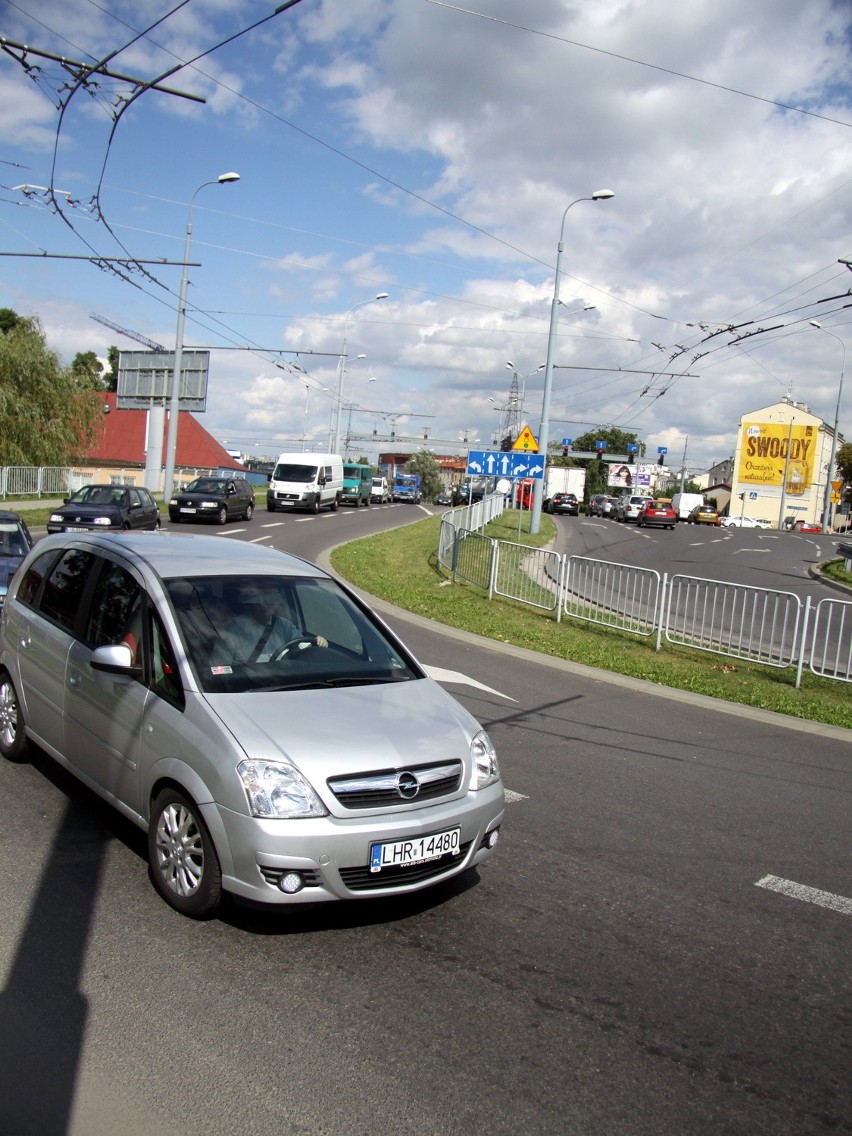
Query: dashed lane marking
point(807, 894)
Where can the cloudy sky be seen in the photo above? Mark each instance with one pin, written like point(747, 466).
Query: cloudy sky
point(430, 150)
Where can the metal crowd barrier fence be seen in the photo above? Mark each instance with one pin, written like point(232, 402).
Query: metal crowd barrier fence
point(620, 596)
point(739, 621)
point(831, 640)
point(530, 575)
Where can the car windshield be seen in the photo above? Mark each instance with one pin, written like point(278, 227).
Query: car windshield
point(294, 472)
point(265, 633)
point(206, 485)
point(98, 495)
point(12, 540)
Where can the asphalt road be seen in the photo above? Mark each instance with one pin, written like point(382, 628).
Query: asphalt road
point(615, 969)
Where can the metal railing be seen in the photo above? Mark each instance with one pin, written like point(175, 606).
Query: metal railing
point(736, 620)
point(831, 640)
point(617, 595)
point(758, 625)
point(30, 481)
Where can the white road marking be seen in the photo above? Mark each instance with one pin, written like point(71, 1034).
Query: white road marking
point(737, 551)
point(808, 894)
point(441, 675)
point(512, 796)
point(274, 524)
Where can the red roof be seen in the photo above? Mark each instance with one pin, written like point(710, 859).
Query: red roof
point(121, 440)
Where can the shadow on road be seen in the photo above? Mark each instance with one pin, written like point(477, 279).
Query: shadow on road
point(43, 1012)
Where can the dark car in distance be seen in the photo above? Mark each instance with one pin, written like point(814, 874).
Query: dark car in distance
point(15, 543)
point(98, 508)
point(563, 503)
point(219, 499)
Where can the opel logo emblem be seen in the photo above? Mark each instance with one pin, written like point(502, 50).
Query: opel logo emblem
point(407, 785)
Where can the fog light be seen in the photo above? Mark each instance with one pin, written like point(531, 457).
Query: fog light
point(291, 882)
point(492, 838)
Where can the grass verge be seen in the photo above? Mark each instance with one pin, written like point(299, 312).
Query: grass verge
point(402, 567)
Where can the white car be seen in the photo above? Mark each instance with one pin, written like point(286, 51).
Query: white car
point(745, 523)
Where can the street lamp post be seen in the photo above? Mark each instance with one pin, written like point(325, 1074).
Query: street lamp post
point(174, 396)
point(826, 508)
point(334, 435)
point(544, 428)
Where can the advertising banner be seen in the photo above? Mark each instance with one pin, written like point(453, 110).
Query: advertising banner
point(763, 458)
point(629, 477)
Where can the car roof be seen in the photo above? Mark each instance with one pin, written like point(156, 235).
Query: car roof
point(7, 516)
point(171, 554)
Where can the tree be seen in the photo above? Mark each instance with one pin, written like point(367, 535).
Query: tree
point(8, 319)
point(597, 470)
point(47, 413)
point(843, 460)
point(86, 364)
point(431, 482)
point(111, 374)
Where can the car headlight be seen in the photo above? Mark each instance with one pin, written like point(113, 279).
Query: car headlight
point(106, 521)
point(277, 789)
point(173, 501)
point(56, 518)
point(209, 504)
point(485, 769)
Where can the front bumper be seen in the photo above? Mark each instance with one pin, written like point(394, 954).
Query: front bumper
point(333, 853)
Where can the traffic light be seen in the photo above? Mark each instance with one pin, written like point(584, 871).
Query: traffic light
point(565, 451)
point(661, 460)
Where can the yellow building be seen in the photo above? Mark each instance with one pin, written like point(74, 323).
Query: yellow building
point(781, 464)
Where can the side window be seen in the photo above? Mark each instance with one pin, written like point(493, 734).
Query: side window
point(115, 614)
point(28, 591)
point(63, 590)
point(165, 678)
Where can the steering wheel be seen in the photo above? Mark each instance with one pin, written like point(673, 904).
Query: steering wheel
point(301, 641)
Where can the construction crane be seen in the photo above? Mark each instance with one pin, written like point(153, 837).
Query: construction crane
point(126, 331)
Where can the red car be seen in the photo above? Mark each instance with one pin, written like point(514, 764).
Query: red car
point(806, 527)
point(657, 513)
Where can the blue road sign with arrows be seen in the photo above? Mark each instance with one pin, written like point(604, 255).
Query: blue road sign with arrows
point(504, 463)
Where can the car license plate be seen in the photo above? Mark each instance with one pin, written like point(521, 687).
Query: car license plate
point(186, 509)
point(403, 853)
point(76, 528)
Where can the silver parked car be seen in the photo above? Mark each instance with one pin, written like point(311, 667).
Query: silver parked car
point(267, 730)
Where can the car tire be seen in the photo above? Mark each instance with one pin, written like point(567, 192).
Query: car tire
point(13, 739)
point(315, 508)
point(334, 504)
point(222, 515)
point(249, 513)
point(182, 859)
point(156, 526)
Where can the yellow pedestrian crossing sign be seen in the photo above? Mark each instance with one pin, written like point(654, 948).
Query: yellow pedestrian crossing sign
point(526, 441)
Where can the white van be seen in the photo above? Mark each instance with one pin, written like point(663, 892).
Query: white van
point(684, 503)
point(305, 481)
point(380, 491)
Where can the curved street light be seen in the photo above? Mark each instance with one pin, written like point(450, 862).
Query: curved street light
point(334, 435)
point(544, 428)
point(174, 396)
point(826, 508)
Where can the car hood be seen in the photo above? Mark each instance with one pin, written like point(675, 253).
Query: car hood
point(86, 512)
point(334, 731)
point(194, 498)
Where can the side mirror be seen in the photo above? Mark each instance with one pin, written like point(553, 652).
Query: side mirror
point(115, 658)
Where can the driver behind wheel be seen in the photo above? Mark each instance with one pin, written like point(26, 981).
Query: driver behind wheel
point(260, 626)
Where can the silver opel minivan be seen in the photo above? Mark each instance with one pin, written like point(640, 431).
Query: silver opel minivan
point(270, 734)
